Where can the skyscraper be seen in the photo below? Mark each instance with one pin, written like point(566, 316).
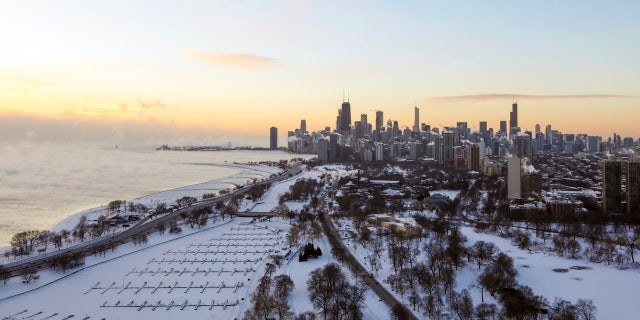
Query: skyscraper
point(345, 117)
point(473, 163)
point(437, 148)
point(612, 187)
point(593, 144)
point(633, 188)
point(513, 116)
point(449, 143)
point(379, 124)
point(379, 120)
point(303, 125)
point(522, 147)
point(416, 120)
point(364, 125)
point(273, 138)
point(503, 127)
point(323, 150)
point(396, 130)
point(483, 126)
point(514, 176)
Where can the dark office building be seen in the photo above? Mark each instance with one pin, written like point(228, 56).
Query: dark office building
point(345, 117)
point(273, 138)
point(633, 188)
point(513, 116)
point(612, 187)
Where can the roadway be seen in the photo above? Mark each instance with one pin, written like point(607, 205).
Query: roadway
point(358, 269)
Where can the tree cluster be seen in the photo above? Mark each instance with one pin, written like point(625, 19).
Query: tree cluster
point(332, 294)
point(257, 191)
point(309, 251)
point(23, 242)
point(301, 189)
point(270, 298)
point(67, 261)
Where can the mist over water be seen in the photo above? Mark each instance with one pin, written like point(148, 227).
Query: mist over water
point(40, 184)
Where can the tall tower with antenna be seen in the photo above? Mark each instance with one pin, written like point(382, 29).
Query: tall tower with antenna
point(513, 115)
point(345, 115)
point(416, 119)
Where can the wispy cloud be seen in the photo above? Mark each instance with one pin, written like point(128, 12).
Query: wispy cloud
point(16, 83)
point(122, 109)
point(155, 103)
point(501, 96)
point(232, 60)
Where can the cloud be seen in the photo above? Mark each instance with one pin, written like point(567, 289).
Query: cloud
point(16, 83)
point(155, 103)
point(500, 96)
point(232, 60)
point(122, 109)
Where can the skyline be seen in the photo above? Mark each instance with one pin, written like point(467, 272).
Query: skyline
point(230, 71)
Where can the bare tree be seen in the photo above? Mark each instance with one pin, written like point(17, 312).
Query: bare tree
point(29, 275)
point(331, 293)
point(283, 286)
point(4, 274)
point(462, 305)
point(114, 206)
point(486, 311)
point(585, 309)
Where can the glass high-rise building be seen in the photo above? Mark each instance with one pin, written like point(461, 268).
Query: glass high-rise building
point(273, 138)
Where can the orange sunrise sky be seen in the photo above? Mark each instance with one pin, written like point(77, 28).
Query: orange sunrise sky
point(208, 72)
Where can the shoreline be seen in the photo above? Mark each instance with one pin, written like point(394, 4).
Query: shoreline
point(245, 171)
point(187, 188)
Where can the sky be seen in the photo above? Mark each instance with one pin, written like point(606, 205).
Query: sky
point(210, 72)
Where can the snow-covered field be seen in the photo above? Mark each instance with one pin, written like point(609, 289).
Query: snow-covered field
point(299, 271)
point(210, 273)
point(611, 289)
point(191, 277)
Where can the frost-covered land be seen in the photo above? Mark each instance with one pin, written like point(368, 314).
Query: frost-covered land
point(203, 272)
point(421, 244)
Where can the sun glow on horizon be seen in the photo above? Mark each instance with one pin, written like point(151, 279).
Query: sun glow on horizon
point(283, 63)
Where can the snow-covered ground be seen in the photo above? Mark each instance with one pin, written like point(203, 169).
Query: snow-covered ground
point(191, 277)
point(451, 194)
point(372, 309)
point(611, 289)
point(211, 272)
point(201, 274)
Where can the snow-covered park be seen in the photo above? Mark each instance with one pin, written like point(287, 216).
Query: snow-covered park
point(200, 274)
point(611, 288)
point(212, 272)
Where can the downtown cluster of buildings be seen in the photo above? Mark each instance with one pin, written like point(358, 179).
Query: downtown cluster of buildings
point(507, 151)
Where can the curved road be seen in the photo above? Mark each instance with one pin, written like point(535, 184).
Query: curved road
point(362, 272)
